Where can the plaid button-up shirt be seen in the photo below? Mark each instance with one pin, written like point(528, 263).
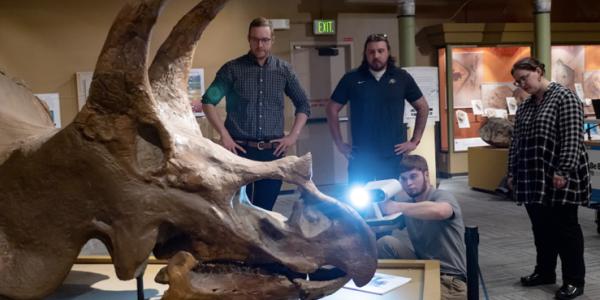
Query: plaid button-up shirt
point(548, 140)
point(255, 96)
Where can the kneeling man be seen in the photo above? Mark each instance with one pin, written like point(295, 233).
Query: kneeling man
point(435, 227)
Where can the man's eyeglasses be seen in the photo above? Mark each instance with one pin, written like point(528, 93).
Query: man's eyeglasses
point(263, 40)
point(377, 37)
point(521, 80)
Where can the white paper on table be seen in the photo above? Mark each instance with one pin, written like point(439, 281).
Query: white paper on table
point(463, 119)
point(511, 103)
point(379, 284)
point(477, 106)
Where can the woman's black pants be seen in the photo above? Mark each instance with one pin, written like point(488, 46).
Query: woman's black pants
point(556, 232)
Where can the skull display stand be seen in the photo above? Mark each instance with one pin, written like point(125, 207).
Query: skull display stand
point(134, 171)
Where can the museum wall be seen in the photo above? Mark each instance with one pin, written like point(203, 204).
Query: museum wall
point(45, 42)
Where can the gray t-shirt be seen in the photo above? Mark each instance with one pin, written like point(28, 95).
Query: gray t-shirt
point(442, 240)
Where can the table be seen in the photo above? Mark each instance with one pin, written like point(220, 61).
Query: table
point(424, 283)
point(487, 167)
point(97, 281)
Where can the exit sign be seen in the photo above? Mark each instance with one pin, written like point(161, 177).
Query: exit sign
point(324, 27)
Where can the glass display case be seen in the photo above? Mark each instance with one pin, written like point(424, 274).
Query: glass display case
point(482, 87)
point(478, 83)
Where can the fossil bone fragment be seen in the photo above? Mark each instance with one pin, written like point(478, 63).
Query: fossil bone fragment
point(134, 171)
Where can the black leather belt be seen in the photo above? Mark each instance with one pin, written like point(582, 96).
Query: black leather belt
point(260, 145)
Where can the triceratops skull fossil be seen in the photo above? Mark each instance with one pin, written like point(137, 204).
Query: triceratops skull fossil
point(134, 171)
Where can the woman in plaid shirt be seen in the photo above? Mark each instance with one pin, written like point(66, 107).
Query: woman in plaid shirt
point(548, 171)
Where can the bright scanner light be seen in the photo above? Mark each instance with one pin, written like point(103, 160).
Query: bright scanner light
point(359, 197)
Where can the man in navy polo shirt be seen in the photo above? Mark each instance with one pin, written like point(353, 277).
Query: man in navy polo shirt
point(376, 92)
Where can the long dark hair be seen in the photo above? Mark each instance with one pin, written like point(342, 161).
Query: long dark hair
point(377, 37)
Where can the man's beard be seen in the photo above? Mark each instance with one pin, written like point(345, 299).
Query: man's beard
point(419, 192)
point(377, 68)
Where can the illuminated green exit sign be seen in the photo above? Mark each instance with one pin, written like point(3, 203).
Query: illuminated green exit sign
point(324, 27)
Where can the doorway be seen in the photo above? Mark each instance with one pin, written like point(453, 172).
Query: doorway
point(319, 67)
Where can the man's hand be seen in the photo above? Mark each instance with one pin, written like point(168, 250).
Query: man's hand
point(559, 182)
point(230, 144)
point(389, 207)
point(405, 147)
point(345, 149)
point(213, 118)
point(284, 143)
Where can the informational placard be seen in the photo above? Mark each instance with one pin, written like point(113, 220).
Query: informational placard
point(427, 80)
point(52, 101)
point(84, 80)
point(511, 103)
point(462, 118)
point(196, 90)
point(579, 91)
point(477, 107)
point(594, 159)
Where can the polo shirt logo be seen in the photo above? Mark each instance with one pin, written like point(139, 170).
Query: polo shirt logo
point(392, 81)
point(360, 82)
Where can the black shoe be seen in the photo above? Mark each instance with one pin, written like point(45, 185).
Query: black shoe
point(537, 279)
point(568, 291)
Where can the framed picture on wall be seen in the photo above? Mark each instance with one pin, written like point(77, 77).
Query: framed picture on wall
point(494, 94)
point(196, 90)
point(84, 80)
point(427, 81)
point(52, 101)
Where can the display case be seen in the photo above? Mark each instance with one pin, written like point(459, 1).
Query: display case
point(482, 87)
point(475, 60)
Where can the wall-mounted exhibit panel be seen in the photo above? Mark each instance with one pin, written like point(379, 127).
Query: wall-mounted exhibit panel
point(578, 68)
point(482, 87)
point(477, 83)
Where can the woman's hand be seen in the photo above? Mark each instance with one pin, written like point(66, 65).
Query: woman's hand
point(559, 182)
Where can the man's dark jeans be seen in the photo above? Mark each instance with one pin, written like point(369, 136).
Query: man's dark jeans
point(262, 193)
